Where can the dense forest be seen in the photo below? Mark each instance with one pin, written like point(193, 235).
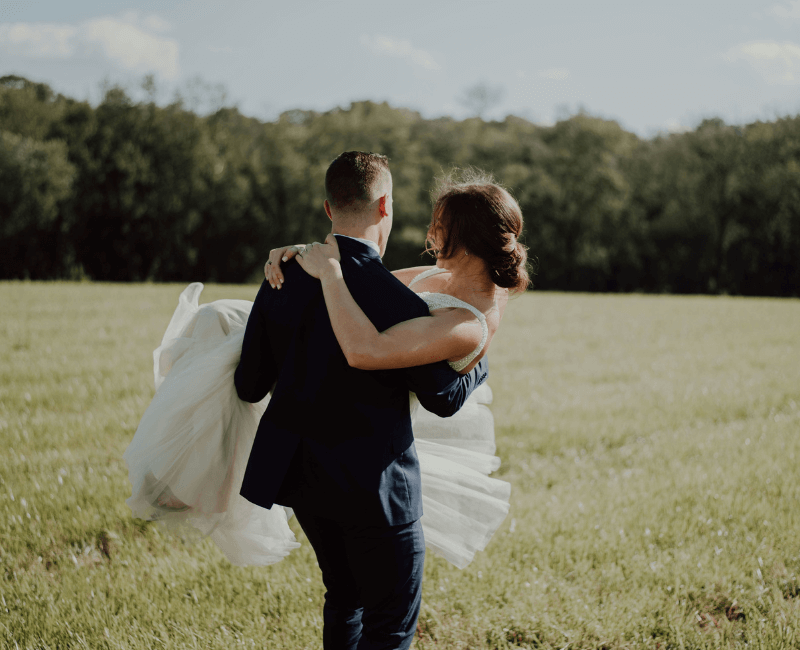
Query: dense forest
point(130, 190)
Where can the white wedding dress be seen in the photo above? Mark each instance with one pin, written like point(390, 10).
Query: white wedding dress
point(187, 458)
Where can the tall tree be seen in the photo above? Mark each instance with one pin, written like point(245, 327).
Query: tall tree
point(35, 180)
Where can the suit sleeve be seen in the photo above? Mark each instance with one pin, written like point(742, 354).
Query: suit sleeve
point(257, 371)
point(439, 388)
point(443, 391)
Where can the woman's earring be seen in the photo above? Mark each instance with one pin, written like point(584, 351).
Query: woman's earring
point(466, 252)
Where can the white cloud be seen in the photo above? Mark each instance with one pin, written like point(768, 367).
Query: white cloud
point(120, 40)
point(383, 45)
point(778, 63)
point(790, 11)
point(554, 73)
point(131, 16)
point(133, 48)
point(156, 23)
point(39, 39)
point(153, 22)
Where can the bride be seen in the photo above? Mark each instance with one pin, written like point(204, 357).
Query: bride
point(187, 459)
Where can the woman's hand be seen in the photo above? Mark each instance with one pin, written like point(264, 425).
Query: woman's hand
point(321, 260)
point(272, 269)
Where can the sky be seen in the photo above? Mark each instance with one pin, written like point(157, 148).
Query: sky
point(652, 66)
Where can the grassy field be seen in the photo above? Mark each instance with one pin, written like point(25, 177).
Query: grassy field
point(652, 444)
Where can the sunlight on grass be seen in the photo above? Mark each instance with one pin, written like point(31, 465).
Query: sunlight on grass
point(651, 442)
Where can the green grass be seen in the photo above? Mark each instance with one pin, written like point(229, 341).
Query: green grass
point(652, 444)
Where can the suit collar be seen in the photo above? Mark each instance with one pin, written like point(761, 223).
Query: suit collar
point(368, 242)
point(355, 247)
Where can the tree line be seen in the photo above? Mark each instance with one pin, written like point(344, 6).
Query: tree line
point(131, 191)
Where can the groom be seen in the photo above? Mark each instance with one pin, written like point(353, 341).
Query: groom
point(335, 443)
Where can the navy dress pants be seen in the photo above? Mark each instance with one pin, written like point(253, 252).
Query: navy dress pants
point(373, 577)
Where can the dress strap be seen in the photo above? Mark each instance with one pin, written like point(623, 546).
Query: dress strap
point(426, 274)
point(443, 300)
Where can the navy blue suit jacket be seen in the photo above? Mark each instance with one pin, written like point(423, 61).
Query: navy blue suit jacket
point(336, 439)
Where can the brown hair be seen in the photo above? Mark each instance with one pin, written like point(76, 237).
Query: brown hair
point(352, 178)
point(473, 213)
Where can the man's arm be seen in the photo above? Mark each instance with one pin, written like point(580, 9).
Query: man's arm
point(442, 390)
point(257, 372)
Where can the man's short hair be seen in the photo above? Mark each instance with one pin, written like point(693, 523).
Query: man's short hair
point(354, 179)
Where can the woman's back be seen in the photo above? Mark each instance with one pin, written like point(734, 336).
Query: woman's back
point(432, 285)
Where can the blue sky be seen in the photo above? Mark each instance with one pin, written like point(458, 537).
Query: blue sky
point(652, 66)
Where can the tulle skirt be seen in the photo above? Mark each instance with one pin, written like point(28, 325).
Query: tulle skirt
point(187, 458)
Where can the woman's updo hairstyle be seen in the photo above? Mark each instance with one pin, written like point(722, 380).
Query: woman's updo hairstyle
point(473, 214)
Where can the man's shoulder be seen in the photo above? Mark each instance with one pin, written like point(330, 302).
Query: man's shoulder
point(375, 288)
point(297, 289)
point(372, 272)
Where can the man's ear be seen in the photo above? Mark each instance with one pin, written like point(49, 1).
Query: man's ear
point(382, 205)
point(328, 210)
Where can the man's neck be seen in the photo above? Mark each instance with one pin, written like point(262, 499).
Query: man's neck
point(371, 233)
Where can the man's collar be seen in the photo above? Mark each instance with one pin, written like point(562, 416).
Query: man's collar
point(368, 242)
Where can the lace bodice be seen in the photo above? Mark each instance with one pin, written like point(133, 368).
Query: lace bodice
point(442, 301)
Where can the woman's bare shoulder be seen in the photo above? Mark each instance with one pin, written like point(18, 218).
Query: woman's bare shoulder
point(407, 275)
